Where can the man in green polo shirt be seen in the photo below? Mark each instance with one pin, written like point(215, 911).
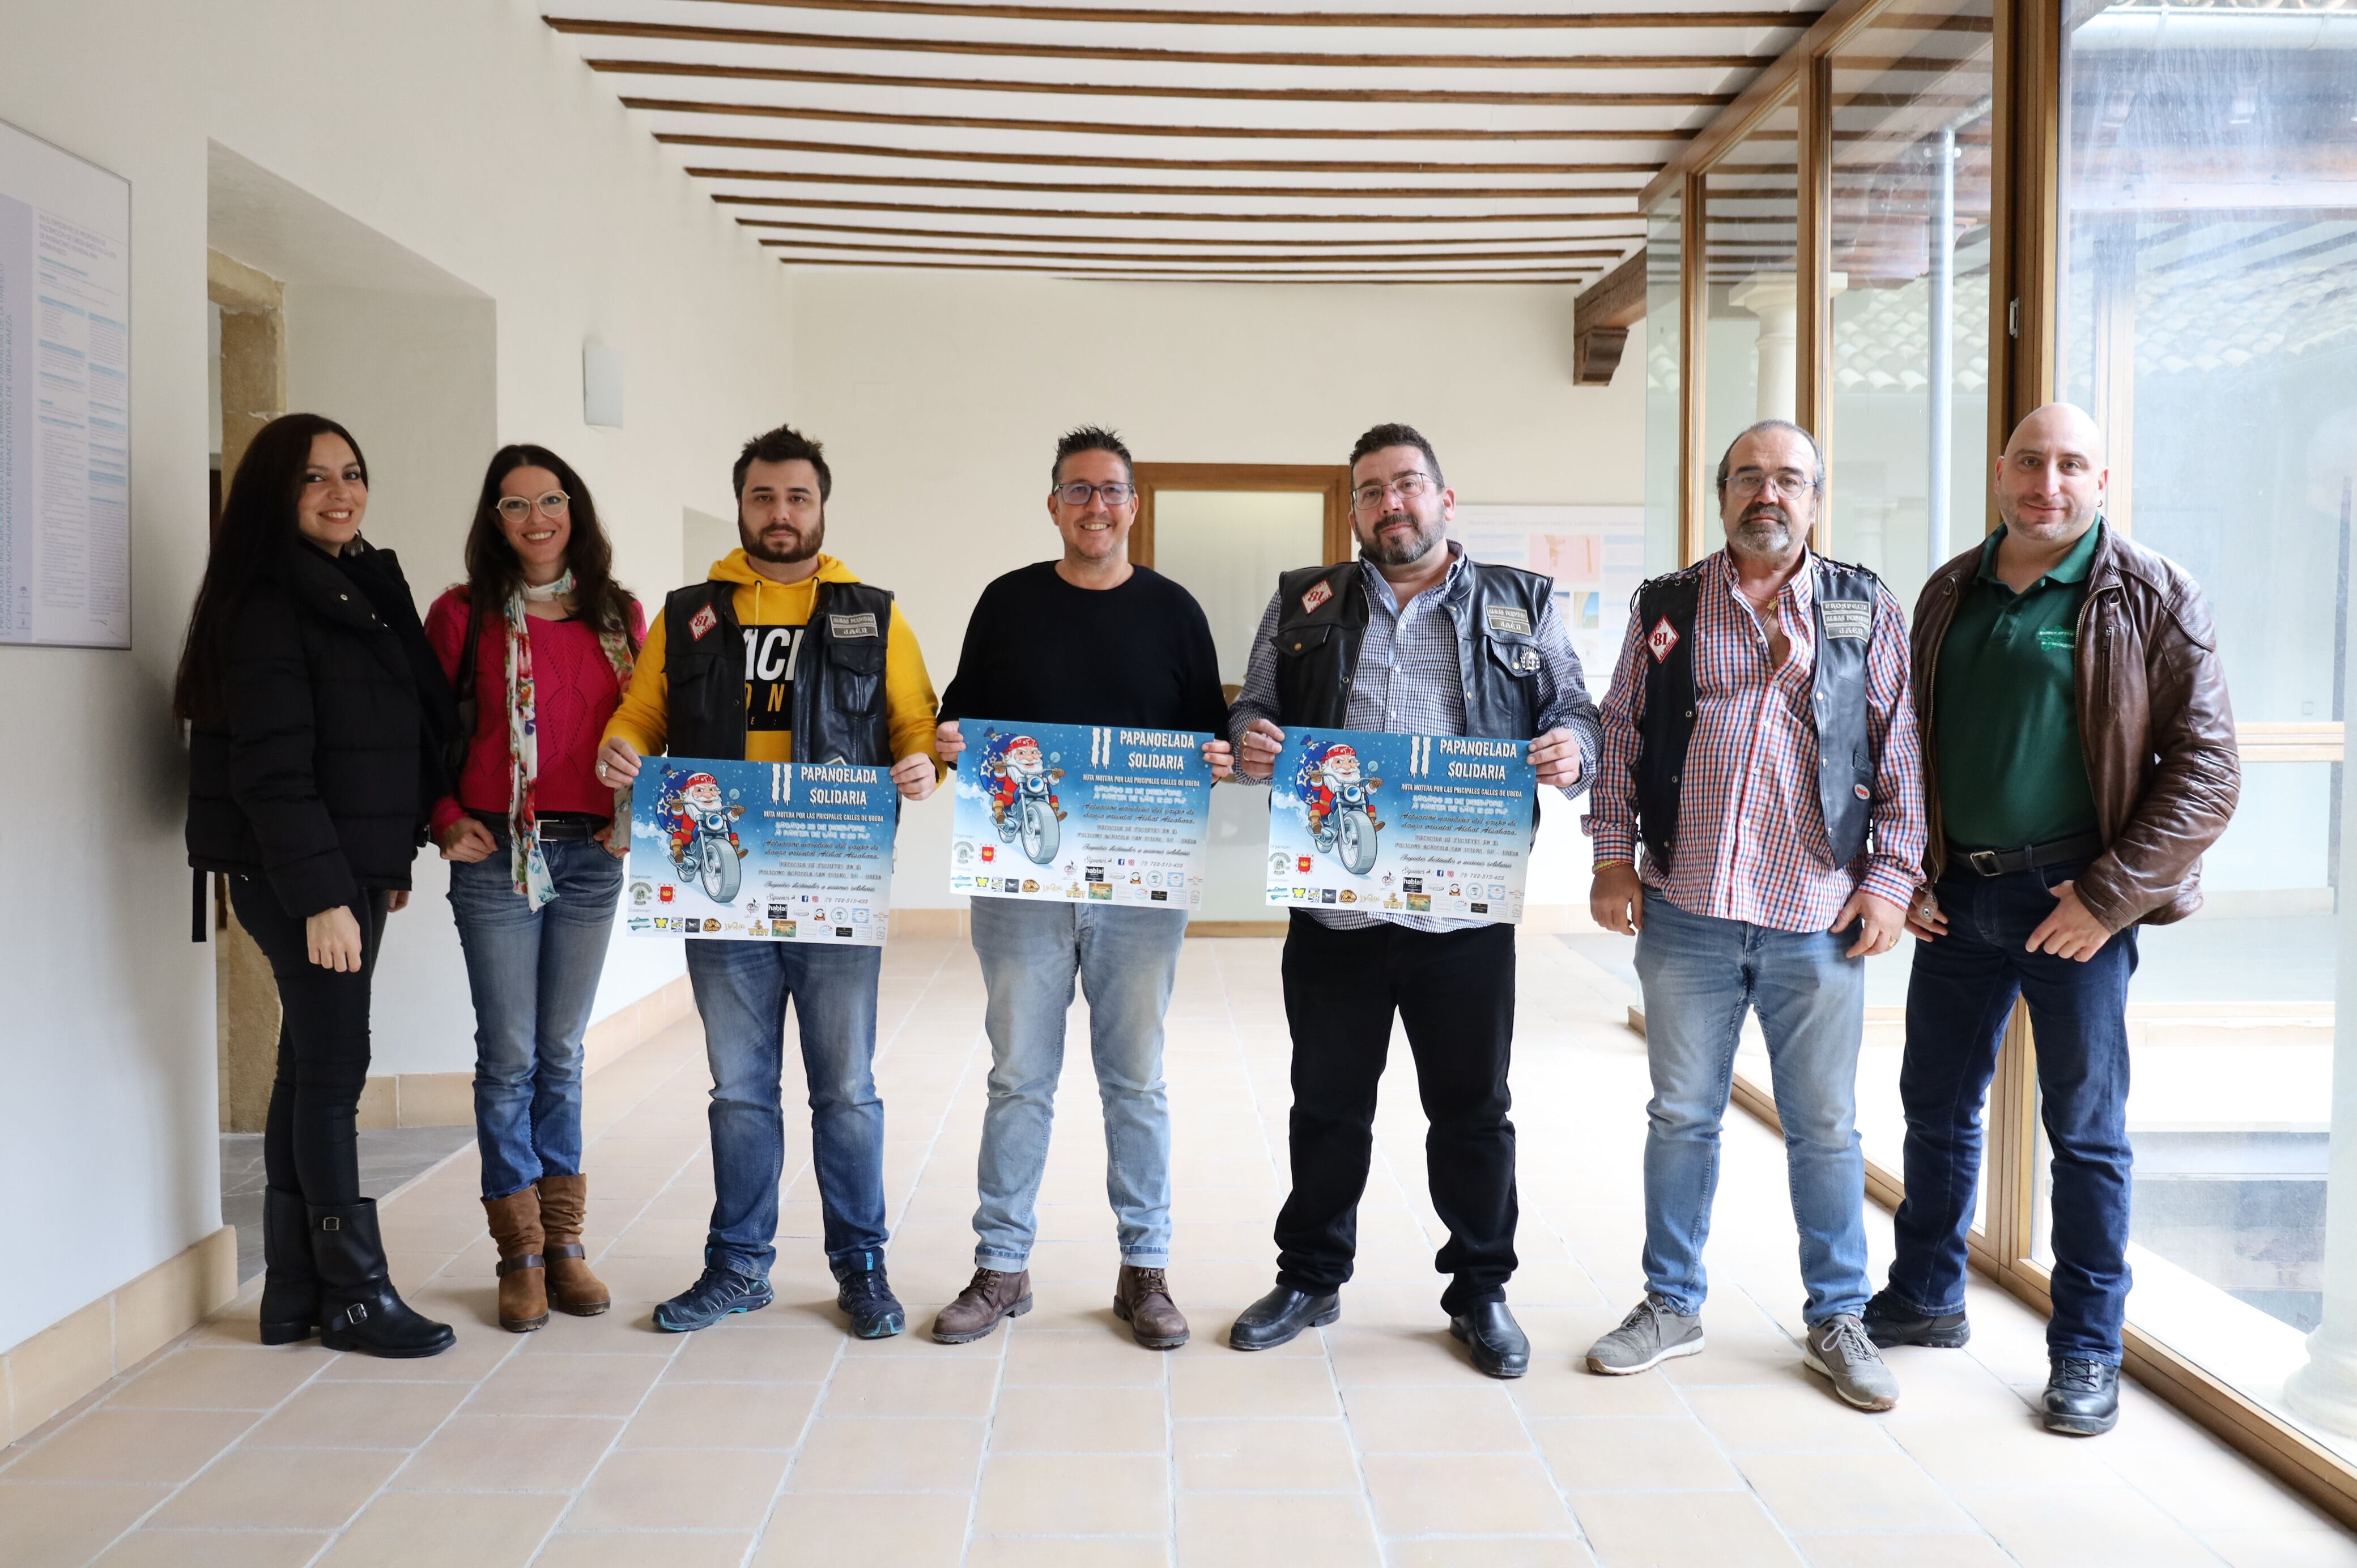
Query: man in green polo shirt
point(2079, 758)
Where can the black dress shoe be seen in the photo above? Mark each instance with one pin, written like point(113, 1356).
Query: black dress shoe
point(1499, 1346)
point(1889, 1322)
point(1278, 1318)
point(2083, 1397)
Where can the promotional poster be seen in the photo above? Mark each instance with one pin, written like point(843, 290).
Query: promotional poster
point(1405, 824)
point(1080, 813)
point(780, 851)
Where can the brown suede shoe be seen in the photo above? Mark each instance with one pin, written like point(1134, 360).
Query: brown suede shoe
point(564, 1205)
point(1141, 1298)
point(979, 1307)
point(523, 1289)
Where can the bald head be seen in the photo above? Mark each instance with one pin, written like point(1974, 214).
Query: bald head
point(2050, 481)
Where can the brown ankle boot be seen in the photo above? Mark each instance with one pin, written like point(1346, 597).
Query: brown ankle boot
point(523, 1293)
point(1141, 1298)
point(564, 1206)
point(979, 1307)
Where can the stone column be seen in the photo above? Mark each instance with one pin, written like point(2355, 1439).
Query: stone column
point(1775, 299)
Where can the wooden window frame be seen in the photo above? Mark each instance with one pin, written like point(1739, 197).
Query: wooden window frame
point(2025, 237)
point(1331, 480)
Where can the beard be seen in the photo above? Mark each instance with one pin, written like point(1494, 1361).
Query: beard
point(1763, 530)
point(805, 545)
point(1405, 551)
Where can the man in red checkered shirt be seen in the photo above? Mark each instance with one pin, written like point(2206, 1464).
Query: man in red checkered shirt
point(1760, 743)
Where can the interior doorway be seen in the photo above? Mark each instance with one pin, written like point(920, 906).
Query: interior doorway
point(1223, 531)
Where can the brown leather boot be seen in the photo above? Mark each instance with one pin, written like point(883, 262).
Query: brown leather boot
point(1141, 1298)
point(564, 1206)
point(979, 1307)
point(524, 1292)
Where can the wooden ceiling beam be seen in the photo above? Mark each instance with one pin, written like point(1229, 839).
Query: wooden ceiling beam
point(1159, 16)
point(1630, 230)
point(1086, 160)
point(1320, 241)
point(1005, 48)
point(1584, 260)
point(1601, 319)
point(1543, 275)
point(1114, 90)
point(1118, 128)
point(1617, 193)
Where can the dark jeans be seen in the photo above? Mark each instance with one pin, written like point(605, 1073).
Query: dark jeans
point(308, 1143)
point(1958, 998)
point(1453, 992)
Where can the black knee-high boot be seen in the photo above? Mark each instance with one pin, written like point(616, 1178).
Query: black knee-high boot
point(290, 1285)
point(358, 1307)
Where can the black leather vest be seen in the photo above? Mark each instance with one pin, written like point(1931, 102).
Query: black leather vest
point(839, 714)
point(1321, 625)
point(1846, 599)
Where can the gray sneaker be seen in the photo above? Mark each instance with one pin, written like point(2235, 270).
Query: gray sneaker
point(1651, 1334)
point(1839, 1348)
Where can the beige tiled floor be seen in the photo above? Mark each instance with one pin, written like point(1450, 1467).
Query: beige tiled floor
point(774, 1440)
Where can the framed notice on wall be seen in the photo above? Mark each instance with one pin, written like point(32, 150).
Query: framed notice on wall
point(65, 398)
point(1595, 554)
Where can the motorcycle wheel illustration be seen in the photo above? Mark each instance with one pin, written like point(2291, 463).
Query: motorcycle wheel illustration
point(1354, 840)
point(1040, 834)
point(712, 862)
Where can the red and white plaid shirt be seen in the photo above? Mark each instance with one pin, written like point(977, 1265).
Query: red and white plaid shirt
point(1751, 833)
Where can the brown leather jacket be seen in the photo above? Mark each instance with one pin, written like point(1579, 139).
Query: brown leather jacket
point(2154, 723)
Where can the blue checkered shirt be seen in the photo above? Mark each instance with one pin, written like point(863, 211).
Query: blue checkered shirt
point(1408, 682)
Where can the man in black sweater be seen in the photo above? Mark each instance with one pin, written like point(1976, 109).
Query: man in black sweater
point(1087, 639)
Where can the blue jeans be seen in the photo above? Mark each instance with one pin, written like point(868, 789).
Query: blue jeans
point(533, 973)
point(1125, 960)
point(1958, 998)
point(1699, 975)
point(741, 990)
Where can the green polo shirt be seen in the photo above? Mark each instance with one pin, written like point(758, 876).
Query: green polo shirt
point(2011, 771)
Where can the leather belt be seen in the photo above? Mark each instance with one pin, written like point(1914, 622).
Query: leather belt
point(555, 827)
point(2030, 857)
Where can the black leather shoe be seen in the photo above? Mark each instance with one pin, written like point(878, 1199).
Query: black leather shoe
point(358, 1309)
point(1278, 1318)
point(290, 1285)
point(1889, 1321)
point(2083, 1397)
point(1499, 1346)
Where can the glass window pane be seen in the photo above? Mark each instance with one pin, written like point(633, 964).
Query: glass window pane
point(1664, 228)
point(1750, 233)
point(1908, 437)
point(2210, 324)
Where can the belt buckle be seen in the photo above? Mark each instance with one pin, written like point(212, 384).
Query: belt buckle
point(1983, 861)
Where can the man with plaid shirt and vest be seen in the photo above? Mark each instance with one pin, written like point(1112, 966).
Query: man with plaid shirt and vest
point(1760, 742)
point(1414, 637)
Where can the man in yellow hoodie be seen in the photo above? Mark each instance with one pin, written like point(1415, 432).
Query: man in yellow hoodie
point(783, 655)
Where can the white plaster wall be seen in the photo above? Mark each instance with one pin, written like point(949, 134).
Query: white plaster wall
point(467, 132)
point(939, 399)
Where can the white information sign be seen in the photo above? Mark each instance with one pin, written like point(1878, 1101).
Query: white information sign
point(65, 398)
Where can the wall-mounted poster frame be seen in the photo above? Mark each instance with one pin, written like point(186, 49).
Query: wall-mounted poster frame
point(65, 398)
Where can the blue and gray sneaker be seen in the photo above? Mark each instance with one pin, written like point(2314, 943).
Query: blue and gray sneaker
point(715, 1294)
point(866, 1296)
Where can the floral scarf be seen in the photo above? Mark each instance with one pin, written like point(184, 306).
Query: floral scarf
point(527, 864)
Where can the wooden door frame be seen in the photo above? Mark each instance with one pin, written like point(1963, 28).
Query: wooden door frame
point(1331, 480)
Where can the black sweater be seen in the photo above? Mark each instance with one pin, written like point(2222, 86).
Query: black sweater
point(329, 760)
point(1040, 650)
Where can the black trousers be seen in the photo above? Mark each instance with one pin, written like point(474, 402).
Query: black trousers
point(308, 1145)
point(1454, 992)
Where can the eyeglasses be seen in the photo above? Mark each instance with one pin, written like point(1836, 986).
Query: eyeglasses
point(515, 508)
point(1079, 492)
point(1745, 483)
point(1369, 497)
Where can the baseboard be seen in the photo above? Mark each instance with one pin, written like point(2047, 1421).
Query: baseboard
point(448, 1098)
point(66, 1360)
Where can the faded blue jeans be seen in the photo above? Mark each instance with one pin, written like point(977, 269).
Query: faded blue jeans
point(533, 973)
point(1699, 975)
point(741, 991)
point(1125, 961)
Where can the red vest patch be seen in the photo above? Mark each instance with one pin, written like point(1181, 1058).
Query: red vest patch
point(1662, 639)
point(702, 621)
point(1316, 596)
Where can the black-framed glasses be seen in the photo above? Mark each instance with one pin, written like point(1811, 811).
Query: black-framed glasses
point(515, 508)
point(1369, 497)
point(1080, 492)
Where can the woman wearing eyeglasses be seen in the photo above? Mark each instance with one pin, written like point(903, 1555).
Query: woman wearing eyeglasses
point(539, 643)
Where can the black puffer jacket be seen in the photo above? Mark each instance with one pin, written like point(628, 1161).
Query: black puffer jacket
point(330, 760)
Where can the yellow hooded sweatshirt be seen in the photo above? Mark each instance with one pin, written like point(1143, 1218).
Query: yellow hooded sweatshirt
point(643, 718)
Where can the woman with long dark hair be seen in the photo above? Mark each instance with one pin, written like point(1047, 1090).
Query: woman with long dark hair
point(317, 717)
point(540, 642)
